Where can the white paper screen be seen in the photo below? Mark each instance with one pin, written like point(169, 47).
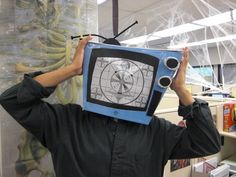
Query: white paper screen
point(121, 81)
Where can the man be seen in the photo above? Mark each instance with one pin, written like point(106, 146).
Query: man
point(85, 144)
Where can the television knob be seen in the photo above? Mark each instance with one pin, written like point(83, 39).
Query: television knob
point(172, 63)
point(164, 81)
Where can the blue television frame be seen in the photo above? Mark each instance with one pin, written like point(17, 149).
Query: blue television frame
point(165, 64)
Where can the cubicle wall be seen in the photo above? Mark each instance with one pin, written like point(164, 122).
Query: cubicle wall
point(168, 110)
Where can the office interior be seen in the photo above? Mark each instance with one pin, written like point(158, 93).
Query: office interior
point(206, 27)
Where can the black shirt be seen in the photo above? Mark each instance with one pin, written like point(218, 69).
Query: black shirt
point(85, 144)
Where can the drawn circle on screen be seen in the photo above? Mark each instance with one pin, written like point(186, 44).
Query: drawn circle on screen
point(121, 81)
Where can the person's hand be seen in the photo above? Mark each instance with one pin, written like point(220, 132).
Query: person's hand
point(178, 83)
point(77, 62)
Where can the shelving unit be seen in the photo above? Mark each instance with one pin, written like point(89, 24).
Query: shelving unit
point(228, 134)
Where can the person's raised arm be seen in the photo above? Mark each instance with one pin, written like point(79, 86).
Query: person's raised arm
point(178, 84)
point(200, 136)
point(53, 78)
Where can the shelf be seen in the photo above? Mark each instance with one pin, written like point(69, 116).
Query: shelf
point(228, 134)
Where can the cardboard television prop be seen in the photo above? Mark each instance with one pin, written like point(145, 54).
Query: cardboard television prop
point(126, 83)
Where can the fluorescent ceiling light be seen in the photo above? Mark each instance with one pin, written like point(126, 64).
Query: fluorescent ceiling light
point(177, 30)
point(188, 27)
point(217, 19)
point(164, 33)
point(100, 1)
point(140, 39)
point(203, 42)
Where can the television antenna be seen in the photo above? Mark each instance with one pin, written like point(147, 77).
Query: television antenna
point(113, 40)
point(115, 24)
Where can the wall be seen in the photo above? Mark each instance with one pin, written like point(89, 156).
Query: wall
point(27, 31)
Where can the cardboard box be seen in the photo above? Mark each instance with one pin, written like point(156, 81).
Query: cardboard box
point(229, 124)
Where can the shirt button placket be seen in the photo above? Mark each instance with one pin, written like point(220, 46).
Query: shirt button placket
point(115, 161)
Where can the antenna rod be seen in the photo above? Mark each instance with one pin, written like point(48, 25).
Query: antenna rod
point(136, 22)
point(84, 35)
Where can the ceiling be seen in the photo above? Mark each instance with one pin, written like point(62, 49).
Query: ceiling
point(126, 8)
point(155, 15)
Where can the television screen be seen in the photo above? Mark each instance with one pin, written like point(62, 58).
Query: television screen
point(121, 79)
point(126, 83)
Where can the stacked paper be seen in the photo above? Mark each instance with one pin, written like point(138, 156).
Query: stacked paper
point(231, 161)
point(209, 168)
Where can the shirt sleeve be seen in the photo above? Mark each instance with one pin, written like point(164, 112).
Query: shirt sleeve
point(47, 122)
point(200, 136)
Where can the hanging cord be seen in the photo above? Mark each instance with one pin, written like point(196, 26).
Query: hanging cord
point(115, 16)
